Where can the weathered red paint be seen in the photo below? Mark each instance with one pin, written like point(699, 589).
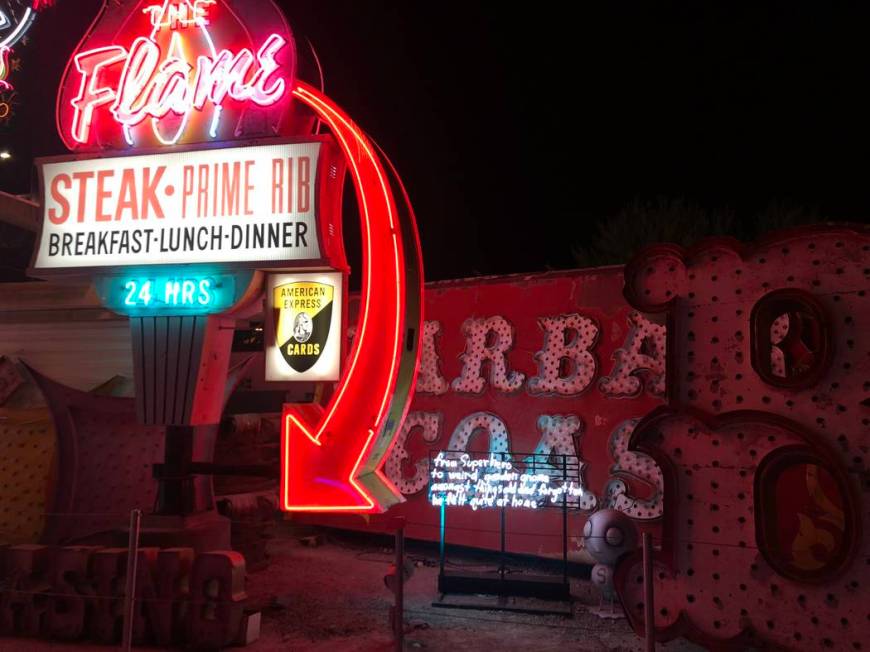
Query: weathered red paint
point(748, 555)
point(524, 306)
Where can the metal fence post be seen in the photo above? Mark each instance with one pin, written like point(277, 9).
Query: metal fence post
point(130, 586)
point(565, 519)
point(399, 622)
point(502, 565)
point(648, 604)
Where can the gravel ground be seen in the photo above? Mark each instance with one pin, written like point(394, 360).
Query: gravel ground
point(332, 598)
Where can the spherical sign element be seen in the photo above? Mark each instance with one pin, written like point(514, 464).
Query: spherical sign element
point(332, 456)
point(608, 535)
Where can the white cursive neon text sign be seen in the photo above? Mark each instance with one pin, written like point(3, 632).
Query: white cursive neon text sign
point(152, 85)
point(458, 480)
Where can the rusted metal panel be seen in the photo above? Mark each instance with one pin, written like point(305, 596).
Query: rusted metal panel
point(104, 462)
point(79, 354)
point(27, 469)
point(76, 592)
point(764, 443)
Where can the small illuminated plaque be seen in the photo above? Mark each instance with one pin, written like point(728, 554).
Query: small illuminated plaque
point(303, 336)
point(495, 480)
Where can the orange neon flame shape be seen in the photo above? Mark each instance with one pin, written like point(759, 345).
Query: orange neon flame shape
point(4, 68)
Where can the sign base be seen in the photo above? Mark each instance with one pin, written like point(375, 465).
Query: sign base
point(545, 587)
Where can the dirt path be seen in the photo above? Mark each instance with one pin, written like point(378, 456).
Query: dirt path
point(332, 598)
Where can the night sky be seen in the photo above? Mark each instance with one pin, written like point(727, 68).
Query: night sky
point(517, 129)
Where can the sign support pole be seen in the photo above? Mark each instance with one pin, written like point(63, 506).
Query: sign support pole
point(648, 605)
point(442, 546)
point(130, 585)
point(502, 561)
point(565, 520)
point(399, 612)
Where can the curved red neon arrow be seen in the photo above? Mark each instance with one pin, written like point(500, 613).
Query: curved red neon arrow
point(329, 454)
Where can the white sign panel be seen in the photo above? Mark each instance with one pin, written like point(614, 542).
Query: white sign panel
point(303, 333)
point(241, 204)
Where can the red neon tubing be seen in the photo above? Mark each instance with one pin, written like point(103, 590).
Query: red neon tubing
point(357, 410)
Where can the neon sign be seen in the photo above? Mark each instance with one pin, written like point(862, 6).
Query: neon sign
point(150, 74)
point(15, 19)
point(152, 88)
point(4, 68)
point(461, 480)
point(179, 15)
point(176, 71)
point(179, 294)
point(332, 456)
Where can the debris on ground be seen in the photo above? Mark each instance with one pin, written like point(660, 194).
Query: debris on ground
point(330, 597)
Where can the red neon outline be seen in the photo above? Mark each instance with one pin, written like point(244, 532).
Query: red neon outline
point(363, 330)
point(370, 503)
point(387, 194)
point(263, 74)
point(355, 146)
point(304, 430)
point(88, 83)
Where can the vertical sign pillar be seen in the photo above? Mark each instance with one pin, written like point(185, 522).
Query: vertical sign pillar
point(648, 605)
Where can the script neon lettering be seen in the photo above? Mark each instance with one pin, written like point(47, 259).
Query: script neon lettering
point(91, 95)
point(151, 85)
point(459, 480)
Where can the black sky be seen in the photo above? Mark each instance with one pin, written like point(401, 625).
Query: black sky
point(517, 129)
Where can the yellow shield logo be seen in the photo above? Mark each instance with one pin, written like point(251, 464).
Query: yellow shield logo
point(303, 315)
